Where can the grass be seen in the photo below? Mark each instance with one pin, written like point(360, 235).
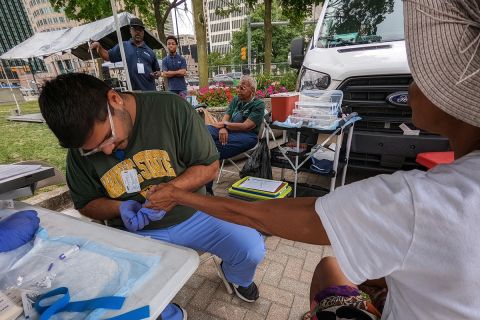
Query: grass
point(21, 141)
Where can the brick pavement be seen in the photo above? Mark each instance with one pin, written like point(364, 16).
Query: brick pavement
point(283, 279)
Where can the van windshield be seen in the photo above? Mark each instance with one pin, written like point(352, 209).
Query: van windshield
point(351, 22)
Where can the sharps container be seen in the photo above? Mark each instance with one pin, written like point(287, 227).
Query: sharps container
point(283, 105)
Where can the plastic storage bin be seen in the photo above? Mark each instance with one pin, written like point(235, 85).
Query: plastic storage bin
point(325, 101)
point(283, 105)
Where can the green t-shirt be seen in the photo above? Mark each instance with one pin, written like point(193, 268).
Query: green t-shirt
point(168, 137)
point(240, 111)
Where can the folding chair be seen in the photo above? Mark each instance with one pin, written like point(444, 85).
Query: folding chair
point(262, 133)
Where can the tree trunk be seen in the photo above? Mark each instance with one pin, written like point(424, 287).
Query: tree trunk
point(201, 35)
point(268, 37)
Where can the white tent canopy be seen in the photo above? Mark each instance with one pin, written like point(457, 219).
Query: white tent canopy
point(43, 44)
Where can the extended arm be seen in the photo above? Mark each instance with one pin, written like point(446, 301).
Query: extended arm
point(190, 180)
point(293, 219)
point(100, 50)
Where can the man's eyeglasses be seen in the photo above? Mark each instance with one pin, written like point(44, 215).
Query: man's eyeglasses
point(107, 141)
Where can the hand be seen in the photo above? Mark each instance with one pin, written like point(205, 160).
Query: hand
point(223, 136)
point(156, 74)
point(135, 217)
point(96, 46)
point(161, 197)
point(218, 125)
point(18, 229)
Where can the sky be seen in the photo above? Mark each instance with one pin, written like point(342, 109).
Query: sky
point(185, 20)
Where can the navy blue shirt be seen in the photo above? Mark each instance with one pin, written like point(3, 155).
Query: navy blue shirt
point(174, 63)
point(134, 55)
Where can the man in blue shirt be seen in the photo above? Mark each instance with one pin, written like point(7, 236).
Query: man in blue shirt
point(174, 68)
point(142, 62)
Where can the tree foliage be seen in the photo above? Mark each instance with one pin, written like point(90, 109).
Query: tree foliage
point(281, 36)
point(153, 12)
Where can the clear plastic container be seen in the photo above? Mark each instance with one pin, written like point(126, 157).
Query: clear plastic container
point(319, 122)
point(328, 101)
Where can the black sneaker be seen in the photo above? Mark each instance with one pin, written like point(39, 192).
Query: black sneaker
point(248, 294)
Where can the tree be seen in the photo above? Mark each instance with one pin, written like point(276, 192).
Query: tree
point(281, 36)
point(154, 12)
point(201, 35)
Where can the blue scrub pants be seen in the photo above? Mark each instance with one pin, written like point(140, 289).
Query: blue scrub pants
point(240, 248)
point(237, 143)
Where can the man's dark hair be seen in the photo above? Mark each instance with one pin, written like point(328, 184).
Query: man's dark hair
point(172, 38)
point(70, 104)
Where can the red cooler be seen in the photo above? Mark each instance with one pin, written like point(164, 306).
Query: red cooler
point(283, 105)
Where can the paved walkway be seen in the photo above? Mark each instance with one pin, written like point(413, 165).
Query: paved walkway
point(283, 279)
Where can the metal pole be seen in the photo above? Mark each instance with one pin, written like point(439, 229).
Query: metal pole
point(18, 111)
point(93, 59)
point(178, 33)
point(249, 42)
point(120, 43)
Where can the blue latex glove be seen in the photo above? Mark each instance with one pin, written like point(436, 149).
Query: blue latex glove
point(135, 217)
point(18, 229)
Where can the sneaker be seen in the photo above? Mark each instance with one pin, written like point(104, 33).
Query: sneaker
point(184, 312)
point(248, 294)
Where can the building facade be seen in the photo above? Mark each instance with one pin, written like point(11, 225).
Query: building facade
point(14, 28)
point(44, 18)
point(220, 28)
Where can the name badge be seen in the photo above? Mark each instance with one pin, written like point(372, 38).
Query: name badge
point(140, 68)
point(130, 180)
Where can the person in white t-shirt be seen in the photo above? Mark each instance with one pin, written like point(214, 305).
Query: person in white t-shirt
point(417, 230)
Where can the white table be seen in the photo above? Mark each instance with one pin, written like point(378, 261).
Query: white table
point(176, 264)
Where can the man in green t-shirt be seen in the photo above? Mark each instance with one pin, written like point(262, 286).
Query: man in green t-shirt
point(120, 144)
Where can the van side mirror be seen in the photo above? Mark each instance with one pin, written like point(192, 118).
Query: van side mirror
point(297, 52)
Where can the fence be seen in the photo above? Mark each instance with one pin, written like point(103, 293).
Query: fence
point(276, 69)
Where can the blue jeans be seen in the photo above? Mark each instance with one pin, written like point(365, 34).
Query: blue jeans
point(241, 248)
point(237, 142)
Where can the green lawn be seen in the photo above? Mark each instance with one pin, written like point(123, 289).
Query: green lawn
point(28, 141)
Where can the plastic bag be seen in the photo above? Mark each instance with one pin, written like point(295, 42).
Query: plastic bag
point(258, 165)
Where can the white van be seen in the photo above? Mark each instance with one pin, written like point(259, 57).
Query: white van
point(358, 47)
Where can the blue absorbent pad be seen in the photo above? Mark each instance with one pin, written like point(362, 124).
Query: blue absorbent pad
point(95, 270)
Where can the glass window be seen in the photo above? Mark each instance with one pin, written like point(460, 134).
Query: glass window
point(350, 22)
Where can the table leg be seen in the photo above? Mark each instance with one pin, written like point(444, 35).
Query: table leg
point(347, 153)
point(338, 147)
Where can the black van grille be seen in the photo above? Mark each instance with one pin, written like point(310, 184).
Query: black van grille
point(368, 97)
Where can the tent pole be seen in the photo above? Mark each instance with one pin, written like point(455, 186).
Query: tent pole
point(120, 43)
point(18, 111)
point(89, 43)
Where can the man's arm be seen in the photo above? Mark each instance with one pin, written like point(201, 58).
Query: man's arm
point(102, 209)
point(100, 50)
point(177, 73)
point(293, 219)
point(195, 177)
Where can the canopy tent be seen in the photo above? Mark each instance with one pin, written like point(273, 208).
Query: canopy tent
point(75, 40)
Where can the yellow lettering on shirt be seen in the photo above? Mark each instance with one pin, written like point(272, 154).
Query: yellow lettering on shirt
point(149, 164)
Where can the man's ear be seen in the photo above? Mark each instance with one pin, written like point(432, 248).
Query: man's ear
point(114, 99)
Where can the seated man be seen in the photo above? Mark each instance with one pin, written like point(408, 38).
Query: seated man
point(238, 130)
point(417, 230)
point(120, 144)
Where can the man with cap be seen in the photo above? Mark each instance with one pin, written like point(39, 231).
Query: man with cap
point(142, 62)
point(414, 233)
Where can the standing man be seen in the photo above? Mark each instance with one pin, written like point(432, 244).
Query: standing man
point(142, 62)
point(174, 68)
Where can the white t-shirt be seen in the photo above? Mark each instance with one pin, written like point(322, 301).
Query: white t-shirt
point(419, 230)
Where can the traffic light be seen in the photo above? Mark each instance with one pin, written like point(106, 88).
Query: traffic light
point(243, 53)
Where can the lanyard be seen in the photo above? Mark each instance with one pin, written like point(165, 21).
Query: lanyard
point(64, 304)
